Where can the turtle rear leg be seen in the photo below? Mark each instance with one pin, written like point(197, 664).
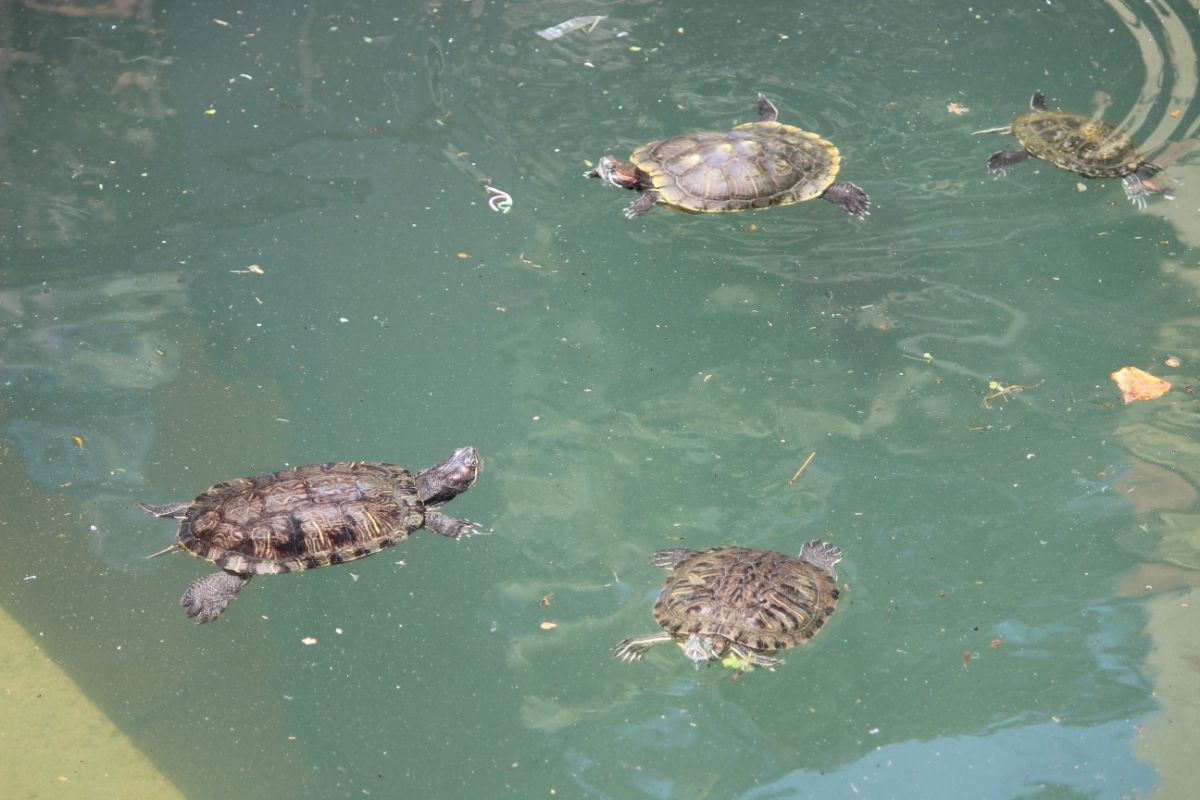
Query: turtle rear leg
point(1000, 162)
point(207, 597)
point(758, 659)
point(848, 198)
point(451, 527)
point(165, 510)
point(635, 647)
point(644, 203)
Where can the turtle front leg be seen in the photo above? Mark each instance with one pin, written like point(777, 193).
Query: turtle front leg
point(1143, 182)
point(848, 198)
point(767, 112)
point(644, 203)
point(756, 658)
point(635, 647)
point(207, 597)
point(165, 510)
point(1000, 162)
point(669, 559)
point(451, 527)
point(1136, 190)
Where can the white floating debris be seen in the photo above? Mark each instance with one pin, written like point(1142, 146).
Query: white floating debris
point(308, 640)
point(573, 24)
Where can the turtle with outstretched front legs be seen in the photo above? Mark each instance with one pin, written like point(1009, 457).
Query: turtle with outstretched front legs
point(739, 605)
point(310, 516)
point(756, 165)
point(1086, 145)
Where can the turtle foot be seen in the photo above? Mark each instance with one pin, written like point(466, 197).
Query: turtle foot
point(207, 597)
point(635, 647)
point(451, 527)
point(849, 198)
point(1146, 180)
point(644, 203)
point(999, 163)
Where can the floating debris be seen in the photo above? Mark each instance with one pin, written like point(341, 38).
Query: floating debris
point(573, 24)
point(500, 200)
point(1136, 384)
point(803, 467)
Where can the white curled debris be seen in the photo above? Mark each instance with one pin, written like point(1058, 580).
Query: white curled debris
point(573, 24)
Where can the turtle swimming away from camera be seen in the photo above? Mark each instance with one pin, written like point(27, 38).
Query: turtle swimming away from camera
point(740, 605)
point(1086, 145)
point(756, 165)
point(311, 516)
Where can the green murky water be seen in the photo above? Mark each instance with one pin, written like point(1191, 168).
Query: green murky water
point(1017, 577)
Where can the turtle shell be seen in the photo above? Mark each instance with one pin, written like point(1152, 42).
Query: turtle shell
point(755, 165)
point(303, 517)
point(760, 599)
point(1086, 145)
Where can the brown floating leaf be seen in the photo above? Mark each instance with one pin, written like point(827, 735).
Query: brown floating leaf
point(78, 440)
point(546, 600)
point(1136, 384)
point(967, 656)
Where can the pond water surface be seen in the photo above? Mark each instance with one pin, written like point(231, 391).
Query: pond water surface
point(238, 236)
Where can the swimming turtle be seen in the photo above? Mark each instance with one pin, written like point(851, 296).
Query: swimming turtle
point(740, 602)
point(756, 165)
point(310, 516)
point(1086, 145)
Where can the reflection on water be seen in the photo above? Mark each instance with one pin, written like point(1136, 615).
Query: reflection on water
point(79, 361)
point(1012, 610)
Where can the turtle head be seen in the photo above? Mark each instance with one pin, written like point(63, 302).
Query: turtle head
point(702, 649)
point(615, 172)
point(442, 482)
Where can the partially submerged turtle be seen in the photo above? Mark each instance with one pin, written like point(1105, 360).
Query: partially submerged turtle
point(1086, 145)
point(756, 165)
point(740, 602)
point(311, 516)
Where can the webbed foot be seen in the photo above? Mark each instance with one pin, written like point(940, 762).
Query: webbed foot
point(849, 198)
point(999, 163)
point(635, 647)
point(644, 203)
point(207, 597)
point(767, 112)
point(452, 527)
point(164, 510)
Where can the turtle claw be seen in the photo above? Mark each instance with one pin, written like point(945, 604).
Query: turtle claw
point(633, 648)
point(1136, 191)
point(627, 652)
